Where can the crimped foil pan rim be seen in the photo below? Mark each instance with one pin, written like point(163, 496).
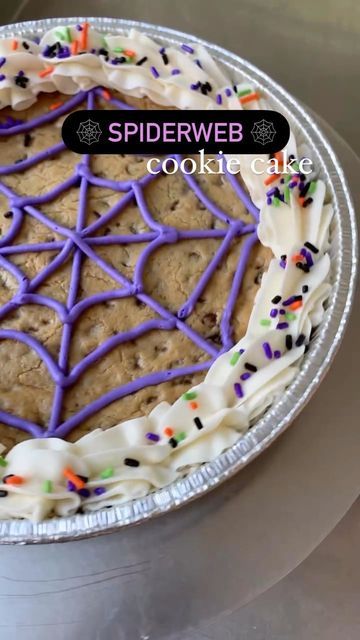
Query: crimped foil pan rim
point(315, 364)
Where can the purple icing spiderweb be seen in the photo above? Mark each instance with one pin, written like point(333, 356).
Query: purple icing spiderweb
point(80, 242)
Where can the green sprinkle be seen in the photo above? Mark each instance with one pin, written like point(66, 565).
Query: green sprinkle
point(59, 35)
point(190, 395)
point(287, 195)
point(245, 92)
point(3, 462)
point(312, 187)
point(287, 179)
point(47, 486)
point(119, 49)
point(265, 322)
point(276, 201)
point(67, 34)
point(295, 165)
point(234, 358)
point(107, 473)
point(290, 316)
point(181, 436)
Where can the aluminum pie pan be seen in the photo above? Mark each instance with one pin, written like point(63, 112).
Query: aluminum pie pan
point(327, 338)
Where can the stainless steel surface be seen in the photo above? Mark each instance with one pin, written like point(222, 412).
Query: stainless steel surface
point(323, 346)
point(313, 50)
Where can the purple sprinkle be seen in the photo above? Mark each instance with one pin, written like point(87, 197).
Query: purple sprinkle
point(21, 73)
point(162, 50)
point(308, 256)
point(78, 27)
point(238, 390)
point(241, 351)
point(267, 350)
point(2, 61)
point(292, 184)
point(219, 98)
point(195, 85)
point(277, 354)
point(152, 436)
point(245, 376)
point(228, 92)
point(268, 200)
point(155, 72)
point(84, 493)
point(272, 191)
point(289, 301)
point(199, 63)
point(70, 486)
point(99, 491)
point(93, 50)
point(282, 325)
point(273, 313)
point(175, 72)
point(282, 264)
point(36, 39)
point(2, 76)
point(187, 48)
point(282, 312)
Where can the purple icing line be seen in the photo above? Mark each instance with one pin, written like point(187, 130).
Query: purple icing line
point(79, 242)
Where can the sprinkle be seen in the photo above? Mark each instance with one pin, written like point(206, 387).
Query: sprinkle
point(168, 431)
point(70, 486)
point(165, 58)
point(14, 45)
point(152, 436)
point(67, 34)
point(187, 48)
point(47, 486)
point(282, 312)
point(198, 423)
point(300, 340)
point(244, 92)
point(129, 53)
point(175, 72)
point(282, 325)
point(273, 313)
point(271, 179)
point(195, 85)
point(245, 376)
point(267, 350)
point(276, 299)
point(3, 493)
point(75, 479)
point(234, 358)
point(304, 189)
point(250, 98)
point(305, 288)
point(296, 305)
point(287, 195)
point(289, 341)
point(198, 63)
point(190, 395)
point(277, 354)
point(265, 322)
point(173, 443)
point(228, 92)
point(250, 367)
point(131, 462)
point(84, 493)
point(312, 188)
point(238, 390)
point(297, 257)
point(84, 478)
point(46, 72)
point(193, 405)
point(290, 316)
point(55, 105)
point(119, 49)
point(219, 98)
point(155, 72)
point(181, 436)
point(303, 267)
point(241, 351)
point(74, 47)
point(99, 491)
point(141, 61)
point(307, 202)
point(84, 35)
point(301, 201)
point(78, 27)
point(2, 61)
point(3, 462)
point(288, 301)
point(106, 94)
point(107, 473)
point(13, 479)
point(276, 202)
point(312, 247)
point(273, 191)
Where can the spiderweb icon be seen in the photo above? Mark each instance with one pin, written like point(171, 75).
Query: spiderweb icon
point(263, 132)
point(79, 242)
point(89, 132)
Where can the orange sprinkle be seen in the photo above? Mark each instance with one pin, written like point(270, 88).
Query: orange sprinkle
point(106, 94)
point(272, 178)
point(14, 45)
point(55, 105)
point(74, 47)
point(46, 72)
point(296, 305)
point(84, 35)
point(70, 475)
point(301, 200)
point(297, 257)
point(249, 98)
point(193, 405)
point(279, 156)
point(129, 53)
point(14, 480)
point(168, 431)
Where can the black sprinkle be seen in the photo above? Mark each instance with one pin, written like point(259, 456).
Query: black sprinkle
point(25, 45)
point(120, 60)
point(131, 462)
point(103, 52)
point(27, 140)
point(289, 341)
point(304, 189)
point(22, 81)
point(173, 443)
point(303, 267)
point(140, 62)
point(296, 298)
point(300, 340)
point(312, 247)
point(208, 86)
point(3, 493)
point(9, 475)
point(305, 288)
point(165, 58)
point(283, 257)
point(276, 299)
point(83, 478)
point(307, 202)
point(198, 423)
point(204, 90)
point(8, 214)
point(307, 347)
point(250, 367)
